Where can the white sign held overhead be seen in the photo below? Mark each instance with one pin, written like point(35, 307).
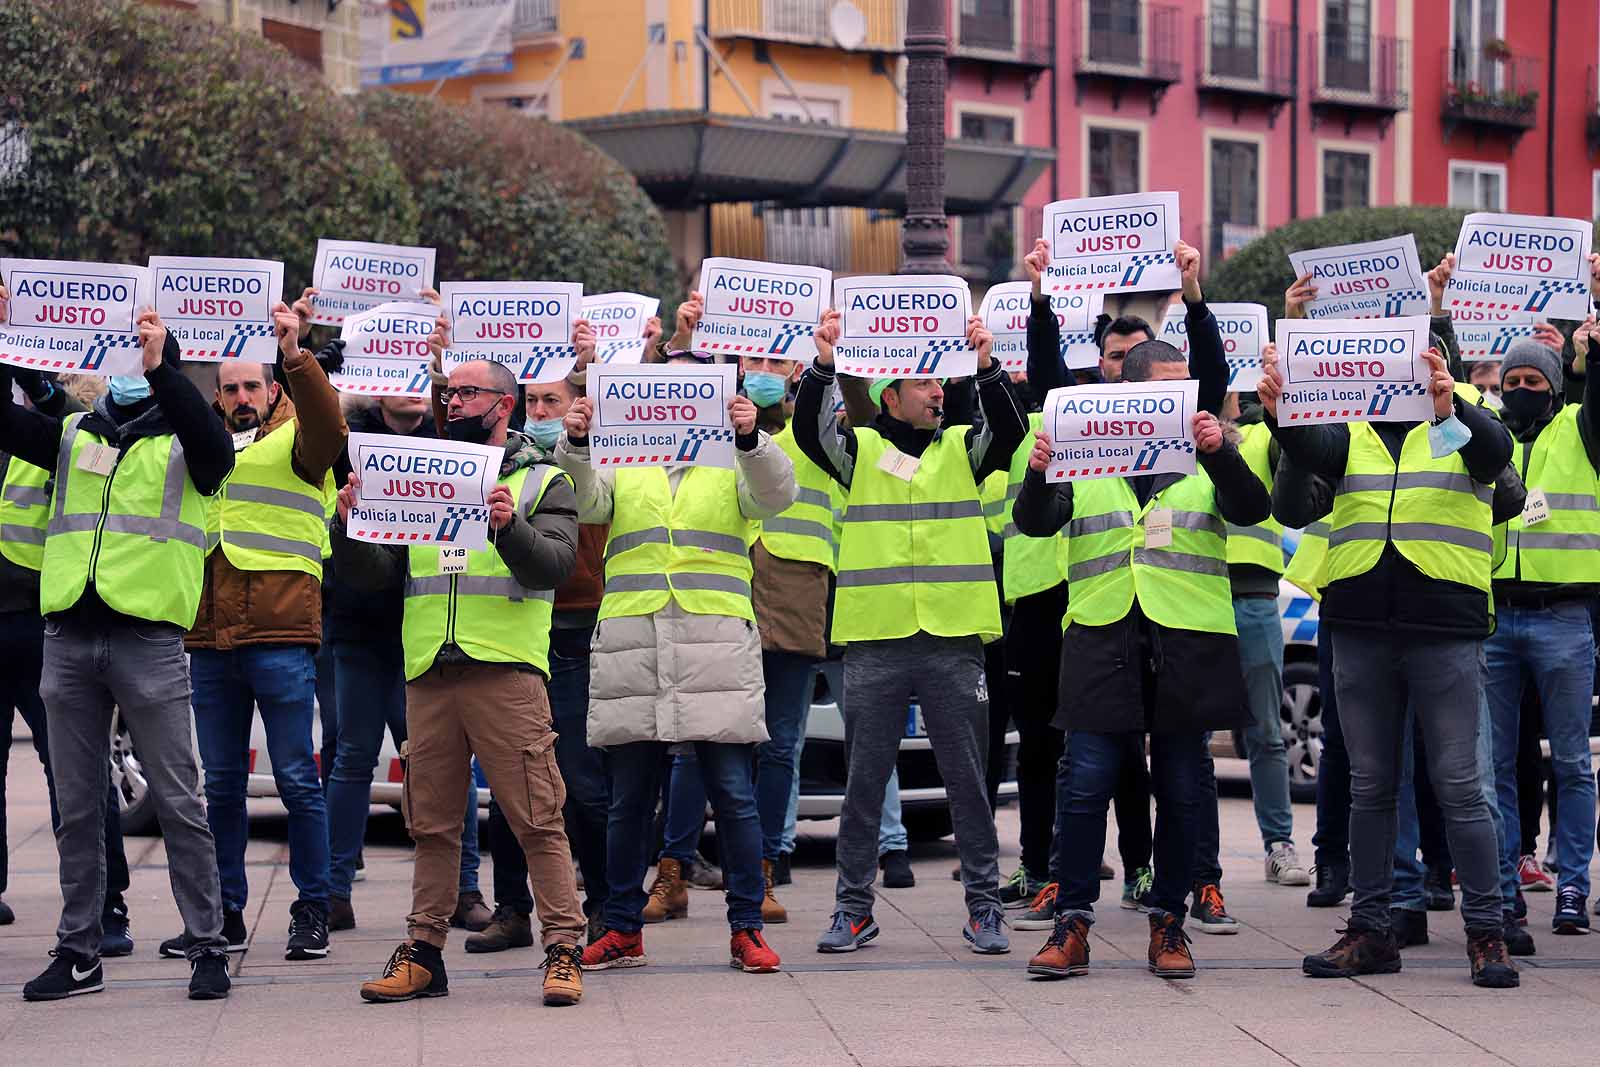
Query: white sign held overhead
point(619, 321)
point(1354, 370)
point(1113, 244)
point(903, 326)
point(355, 276)
point(219, 310)
point(527, 326)
point(1375, 279)
point(386, 350)
point(661, 414)
point(1005, 311)
point(760, 309)
point(72, 317)
point(1526, 263)
point(1244, 332)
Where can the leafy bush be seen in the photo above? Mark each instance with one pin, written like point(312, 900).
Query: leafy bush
point(505, 196)
point(127, 131)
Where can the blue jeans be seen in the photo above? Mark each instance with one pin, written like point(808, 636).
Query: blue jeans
point(1090, 769)
point(686, 808)
point(1261, 659)
point(228, 687)
point(1554, 646)
point(635, 773)
point(789, 686)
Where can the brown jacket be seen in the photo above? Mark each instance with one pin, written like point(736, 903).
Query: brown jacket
point(276, 607)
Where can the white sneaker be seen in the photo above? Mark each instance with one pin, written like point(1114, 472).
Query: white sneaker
point(1284, 867)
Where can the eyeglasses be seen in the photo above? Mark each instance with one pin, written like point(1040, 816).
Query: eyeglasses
point(467, 393)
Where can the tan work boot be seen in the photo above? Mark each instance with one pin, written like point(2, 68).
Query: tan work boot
point(415, 970)
point(669, 896)
point(771, 910)
point(563, 975)
point(1169, 948)
point(508, 929)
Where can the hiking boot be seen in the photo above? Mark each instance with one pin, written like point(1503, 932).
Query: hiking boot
point(985, 932)
point(1169, 947)
point(1572, 912)
point(341, 916)
point(771, 910)
point(896, 865)
point(563, 975)
point(233, 932)
point(1409, 928)
point(208, 976)
point(1134, 889)
point(1333, 885)
point(1041, 914)
point(1437, 895)
point(114, 937)
point(1532, 877)
point(1210, 912)
point(69, 975)
point(1019, 890)
point(783, 870)
point(1519, 942)
point(749, 952)
point(1491, 963)
point(1284, 867)
point(847, 933)
point(1358, 951)
point(471, 912)
point(308, 931)
point(669, 893)
point(1066, 950)
point(508, 928)
point(416, 969)
point(1106, 873)
point(701, 873)
point(615, 949)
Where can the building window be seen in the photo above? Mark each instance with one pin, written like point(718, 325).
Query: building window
point(1347, 45)
point(304, 44)
point(1478, 186)
point(991, 129)
point(1113, 161)
point(1235, 189)
point(1346, 180)
point(1115, 31)
point(989, 24)
point(1473, 24)
point(1234, 39)
point(989, 241)
point(1594, 203)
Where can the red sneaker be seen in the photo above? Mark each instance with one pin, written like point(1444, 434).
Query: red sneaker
point(615, 949)
point(750, 953)
point(1534, 879)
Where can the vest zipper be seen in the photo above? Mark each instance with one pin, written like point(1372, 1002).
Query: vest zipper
point(450, 613)
point(100, 527)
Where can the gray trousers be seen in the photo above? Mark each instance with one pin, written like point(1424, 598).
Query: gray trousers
point(946, 676)
point(1377, 678)
point(142, 671)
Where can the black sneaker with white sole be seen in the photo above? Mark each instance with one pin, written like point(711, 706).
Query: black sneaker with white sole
point(233, 932)
point(69, 975)
point(1572, 912)
point(208, 976)
point(308, 931)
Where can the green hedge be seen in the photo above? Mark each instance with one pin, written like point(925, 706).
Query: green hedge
point(127, 131)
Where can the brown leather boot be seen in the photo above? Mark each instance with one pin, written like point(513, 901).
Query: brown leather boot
point(1066, 952)
point(563, 975)
point(471, 912)
point(771, 910)
point(415, 970)
point(1169, 948)
point(669, 896)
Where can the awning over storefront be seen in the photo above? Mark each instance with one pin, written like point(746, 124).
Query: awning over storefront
point(689, 157)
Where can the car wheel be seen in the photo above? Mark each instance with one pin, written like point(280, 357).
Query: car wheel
point(928, 825)
point(138, 809)
point(1302, 727)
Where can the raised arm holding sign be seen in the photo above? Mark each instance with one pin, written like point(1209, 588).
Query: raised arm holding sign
point(760, 309)
point(354, 276)
point(73, 317)
point(1525, 263)
point(219, 309)
point(893, 326)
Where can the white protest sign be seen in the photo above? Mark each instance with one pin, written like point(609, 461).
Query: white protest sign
point(219, 309)
point(893, 326)
point(1005, 311)
point(72, 317)
point(422, 490)
point(1121, 429)
point(618, 321)
point(354, 276)
point(1113, 244)
point(1375, 279)
point(661, 414)
point(386, 350)
point(1354, 370)
point(1244, 331)
point(1523, 263)
point(525, 325)
point(1489, 335)
point(760, 309)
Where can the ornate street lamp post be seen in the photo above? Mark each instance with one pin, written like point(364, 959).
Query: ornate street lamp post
point(926, 238)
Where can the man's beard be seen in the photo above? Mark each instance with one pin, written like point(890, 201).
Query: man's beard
point(244, 417)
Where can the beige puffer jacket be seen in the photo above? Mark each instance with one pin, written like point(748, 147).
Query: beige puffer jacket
point(677, 676)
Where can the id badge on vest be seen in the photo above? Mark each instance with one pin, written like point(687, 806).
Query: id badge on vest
point(1158, 528)
point(895, 462)
point(244, 439)
point(452, 561)
point(1536, 508)
point(97, 459)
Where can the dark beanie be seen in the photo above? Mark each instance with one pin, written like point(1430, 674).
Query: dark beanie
point(1530, 353)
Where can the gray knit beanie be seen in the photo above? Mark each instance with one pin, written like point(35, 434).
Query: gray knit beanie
point(1530, 353)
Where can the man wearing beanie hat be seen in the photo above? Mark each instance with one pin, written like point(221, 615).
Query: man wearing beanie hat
point(916, 601)
point(1546, 574)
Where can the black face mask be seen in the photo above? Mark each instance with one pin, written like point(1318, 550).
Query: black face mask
point(1524, 407)
point(469, 430)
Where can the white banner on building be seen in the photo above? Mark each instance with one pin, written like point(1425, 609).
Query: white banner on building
point(425, 40)
point(422, 490)
point(525, 325)
point(71, 317)
point(903, 326)
point(1121, 429)
point(661, 414)
point(356, 276)
point(1244, 331)
point(386, 350)
point(1526, 263)
point(1374, 279)
point(1113, 244)
point(219, 309)
point(1354, 370)
point(760, 309)
point(618, 321)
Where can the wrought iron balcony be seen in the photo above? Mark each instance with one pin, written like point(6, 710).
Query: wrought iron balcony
point(1245, 61)
point(1358, 76)
point(1490, 92)
point(1020, 32)
point(1126, 44)
point(535, 18)
point(807, 22)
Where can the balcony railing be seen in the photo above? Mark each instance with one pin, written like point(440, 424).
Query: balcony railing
point(1123, 43)
point(1251, 59)
point(1355, 75)
point(807, 22)
point(1490, 92)
point(1007, 31)
point(535, 18)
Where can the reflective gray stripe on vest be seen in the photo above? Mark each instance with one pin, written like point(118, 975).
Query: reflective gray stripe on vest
point(166, 527)
point(22, 535)
point(159, 530)
point(1411, 531)
point(927, 512)
point(1447, 481)
point(27, 496)
point(637, 583)
point(815, 497)
point(1259, 533)
point(693, 582)
point(653, 535)
point(1092, 568)
point(1180, 561)
point(270, 543)
point(1563, 542)
point(1094, 524)
point(69, 433)
point(1318, 529)
point(1199, 520)
point(798, 527)
point(954, 572)
point(172, 498)
point(476, 585)
point(716, 542)
point(278, 498)
point(1572, 501)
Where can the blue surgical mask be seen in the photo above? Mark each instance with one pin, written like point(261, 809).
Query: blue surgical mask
point(545, 432)
point(765, 388)
point(128, 388)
